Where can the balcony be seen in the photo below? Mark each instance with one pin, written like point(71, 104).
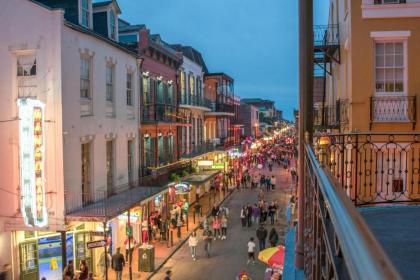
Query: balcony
point(393, 109)
point(332, 116)
point(200, 149)
point(345, 241)
point(221, 109)
point(326, 45)
point(195, 101)
point(101, 205)
point(152, 113)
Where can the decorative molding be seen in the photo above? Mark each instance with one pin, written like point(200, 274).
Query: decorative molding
point(87, 138)
point(130, 68)
point(110, 136)
point(85, 52)
point(131, 135)
point(390, 34)
point(110, 60)
point(391, 10)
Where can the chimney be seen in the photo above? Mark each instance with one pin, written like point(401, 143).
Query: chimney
point(143, 38)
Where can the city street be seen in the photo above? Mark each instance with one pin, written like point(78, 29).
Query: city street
point(229, 257)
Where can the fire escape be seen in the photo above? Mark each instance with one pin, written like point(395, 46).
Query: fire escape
point(326, 53)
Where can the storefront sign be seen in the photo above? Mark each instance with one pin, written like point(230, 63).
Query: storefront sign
point(218, 166)
point(234, 153)
point(205, 163)
point(96, 244)
point(182, 188)
point(32, 154)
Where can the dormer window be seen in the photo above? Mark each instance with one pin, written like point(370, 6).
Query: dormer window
point(86, 13)
point(112, 25)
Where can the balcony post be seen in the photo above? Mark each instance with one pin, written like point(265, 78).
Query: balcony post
point(305, 111)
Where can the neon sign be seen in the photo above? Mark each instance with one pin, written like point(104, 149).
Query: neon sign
point(182, 188)
point(32, 157)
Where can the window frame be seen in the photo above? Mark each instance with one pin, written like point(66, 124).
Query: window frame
point(110, 84)
point(89, 77)
point(83, 11)
point(394, 40)
point(112, 25)
point(129, 89)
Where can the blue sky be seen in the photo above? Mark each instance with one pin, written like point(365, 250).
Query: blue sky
point(254, 41)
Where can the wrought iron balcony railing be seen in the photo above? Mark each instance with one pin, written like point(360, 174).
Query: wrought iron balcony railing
point(326, 35)
point(338, 243)
point(332, 116)
point(195, 101)
point(393, 109)
point(158, 113)
point(222, 107)
point(373, 168)
point(203, 148)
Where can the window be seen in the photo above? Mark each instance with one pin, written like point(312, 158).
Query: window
point(26, 76)
point(85, 78)
point(85, 13)
point(109, 83)
point(170, 93)
point(129, 89)
point(130, 157)
point(110, 166)
point(86, 185)
point(389, 67)
point(183, 89)
point(380, 2)
point(112, 25)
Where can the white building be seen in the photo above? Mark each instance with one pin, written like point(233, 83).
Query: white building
point(71, 90)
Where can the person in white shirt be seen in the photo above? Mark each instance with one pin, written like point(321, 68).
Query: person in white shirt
point(192, 242)
point(251, 251)
point(273, 182)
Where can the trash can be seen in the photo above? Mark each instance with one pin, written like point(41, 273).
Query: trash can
point(146, 258)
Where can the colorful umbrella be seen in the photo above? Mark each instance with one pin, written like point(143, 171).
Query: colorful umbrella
point(273, 256)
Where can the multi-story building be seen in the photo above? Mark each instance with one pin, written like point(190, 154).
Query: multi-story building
point(265, 107)
point(191, 87)
point(237, 126)
point(70, 110)
point(162, 120)
point(249, 116)
point(219, 89)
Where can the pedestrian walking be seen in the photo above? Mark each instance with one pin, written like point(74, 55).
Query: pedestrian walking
point(251, 251)
point(208, 238)
point(215, 211)
point(272, 212)
point(223, 223)
point(243, 216)
point(273, 237)
point(168, 275)
point(262, 236)
point(249, 215)
point(256, 213)
point(273, 182)
point(193, 242)
point(216, 228)
point(118, 263)
point(103, 263)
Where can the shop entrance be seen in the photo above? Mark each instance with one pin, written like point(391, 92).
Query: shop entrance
point(28, 252)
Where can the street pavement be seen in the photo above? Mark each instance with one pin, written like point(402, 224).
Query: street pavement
point(229, 257)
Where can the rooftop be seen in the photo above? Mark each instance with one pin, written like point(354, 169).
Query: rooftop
point(192, 54)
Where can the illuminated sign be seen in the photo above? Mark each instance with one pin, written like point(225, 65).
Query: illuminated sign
point(32, 157)
point(218, 166)
point(182, 188)
point(205, 163)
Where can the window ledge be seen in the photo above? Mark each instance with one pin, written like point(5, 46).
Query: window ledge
point(391, 10)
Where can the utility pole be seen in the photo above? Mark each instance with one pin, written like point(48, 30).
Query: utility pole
point(305, 111)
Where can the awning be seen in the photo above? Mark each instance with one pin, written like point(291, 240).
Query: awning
point(109, 208)
point(202, 177)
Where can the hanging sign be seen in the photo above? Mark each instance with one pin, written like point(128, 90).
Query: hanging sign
point(182, 188)
point(205, 163)
point(96, 244)
point(218, 166)
point(32, 157)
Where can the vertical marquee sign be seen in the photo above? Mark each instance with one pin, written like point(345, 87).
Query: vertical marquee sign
point(32, 155)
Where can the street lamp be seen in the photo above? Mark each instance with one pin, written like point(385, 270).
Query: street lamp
point(323, 143)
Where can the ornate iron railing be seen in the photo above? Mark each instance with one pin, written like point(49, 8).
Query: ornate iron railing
point(326, 35)
point(393, 109)
point(373, 168)
point(199, 149)
point(337, 242)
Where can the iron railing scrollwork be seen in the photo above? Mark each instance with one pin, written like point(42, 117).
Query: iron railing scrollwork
point(374, 168)
point(393, 109)
point(337, 242)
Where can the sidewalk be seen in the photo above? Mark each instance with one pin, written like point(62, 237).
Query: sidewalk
point(162, 251)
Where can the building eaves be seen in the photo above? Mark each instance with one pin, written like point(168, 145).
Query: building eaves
point(100, 37)
point(130, 28)
point(219, 74)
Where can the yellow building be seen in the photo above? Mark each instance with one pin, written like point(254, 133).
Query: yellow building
point(370, 53)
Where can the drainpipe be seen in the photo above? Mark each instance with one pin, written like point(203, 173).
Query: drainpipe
point(305, 111)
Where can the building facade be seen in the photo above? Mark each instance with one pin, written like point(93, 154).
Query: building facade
point(249, 116)
point(72, 92)
point(219, 90)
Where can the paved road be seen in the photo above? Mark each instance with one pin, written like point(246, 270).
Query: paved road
point(229, 256)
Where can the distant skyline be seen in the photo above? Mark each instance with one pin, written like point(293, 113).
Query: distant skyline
point(255, 42)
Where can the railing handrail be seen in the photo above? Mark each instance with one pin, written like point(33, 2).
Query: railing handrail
point(390, 133)
point(363, 255)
